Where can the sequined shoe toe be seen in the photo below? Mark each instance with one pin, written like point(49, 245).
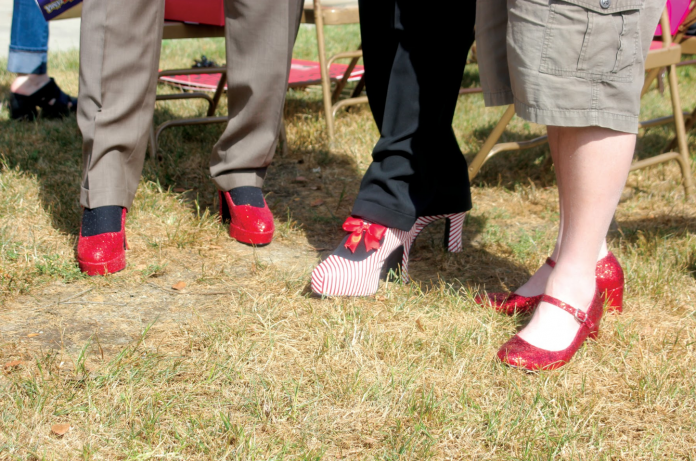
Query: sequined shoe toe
point(520, 354)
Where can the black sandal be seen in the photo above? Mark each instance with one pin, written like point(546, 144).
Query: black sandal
point(25, 107)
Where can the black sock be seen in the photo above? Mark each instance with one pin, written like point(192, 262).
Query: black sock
point(248, 195)
point(101, 220)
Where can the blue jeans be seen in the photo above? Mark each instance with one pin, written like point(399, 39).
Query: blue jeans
point(29, 41)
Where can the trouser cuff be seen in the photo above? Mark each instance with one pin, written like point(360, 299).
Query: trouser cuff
point(95, 198)
point(27, 62)
point(241, 178)
point(381, 215)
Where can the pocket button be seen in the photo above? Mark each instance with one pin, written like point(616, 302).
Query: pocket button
point(605, 3)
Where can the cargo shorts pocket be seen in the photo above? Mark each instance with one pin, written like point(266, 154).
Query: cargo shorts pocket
point(592, 39)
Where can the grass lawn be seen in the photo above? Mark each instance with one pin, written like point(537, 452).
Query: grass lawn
point(244, 364)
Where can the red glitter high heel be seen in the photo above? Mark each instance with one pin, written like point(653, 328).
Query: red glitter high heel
point(610, 283)
point(103, 253)
point(519, 353)
point(248, 224)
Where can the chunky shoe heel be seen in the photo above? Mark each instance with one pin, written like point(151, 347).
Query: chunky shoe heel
point(453, 236)
point(610, 284)
point(103, 253)
point(613, 300)
point(248, 224)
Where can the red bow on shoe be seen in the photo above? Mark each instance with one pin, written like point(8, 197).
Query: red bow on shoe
point(358, 227)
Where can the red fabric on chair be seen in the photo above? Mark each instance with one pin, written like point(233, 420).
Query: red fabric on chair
point(302, 73)
point(199, 11)
point(677, 10)
point(657, 44)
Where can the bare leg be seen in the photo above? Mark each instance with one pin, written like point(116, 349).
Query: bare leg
point(592, 168)
point(537, 283)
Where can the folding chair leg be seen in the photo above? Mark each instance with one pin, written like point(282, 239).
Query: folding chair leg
point(688, 125)
point(344, 80)
point(493, 138)
point(684, 161)
point(652, 75)
point(359, 87)
point(325, 79)
point(153, 141)
point(218, 94)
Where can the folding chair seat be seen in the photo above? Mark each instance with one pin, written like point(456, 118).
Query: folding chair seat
point(663, 54)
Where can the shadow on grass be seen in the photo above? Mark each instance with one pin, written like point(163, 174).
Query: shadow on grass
point(51, 151)
point(660, 226)
point(473, 268)
point(509, 169)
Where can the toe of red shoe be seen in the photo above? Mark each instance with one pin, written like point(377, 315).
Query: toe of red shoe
point(101, 254)
point(252, 225)
point(519, 353)
point(513, 357)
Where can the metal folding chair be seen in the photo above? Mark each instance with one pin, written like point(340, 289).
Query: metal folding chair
point(333, 13)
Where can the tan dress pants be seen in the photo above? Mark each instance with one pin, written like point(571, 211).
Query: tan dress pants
point(119, 56)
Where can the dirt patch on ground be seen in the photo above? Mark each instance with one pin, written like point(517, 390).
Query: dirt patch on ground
point(114, 311)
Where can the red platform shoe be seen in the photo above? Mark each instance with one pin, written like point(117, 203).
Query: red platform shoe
point(371, 251)
point(248, 224)
point(520, 354)
point(103, 254)
point(610, 283)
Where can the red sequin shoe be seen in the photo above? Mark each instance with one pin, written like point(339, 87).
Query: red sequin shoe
point(355, 270)
point(610, 282)
point(248, 224)
point(103, 253)
point(520, 354)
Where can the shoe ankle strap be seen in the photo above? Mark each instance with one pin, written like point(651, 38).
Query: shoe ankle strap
point(580, 316)
point(551, 262)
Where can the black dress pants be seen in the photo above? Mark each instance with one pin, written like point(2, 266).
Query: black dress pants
point(414, 60)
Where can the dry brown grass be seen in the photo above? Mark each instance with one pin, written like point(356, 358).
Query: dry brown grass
point(244, 364)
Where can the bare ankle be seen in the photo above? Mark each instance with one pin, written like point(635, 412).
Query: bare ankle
point(577, 290)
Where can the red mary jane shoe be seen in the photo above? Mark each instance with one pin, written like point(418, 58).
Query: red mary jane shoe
point(248, 224)
point(519, 353)
point(103, 253)
point(610, 283)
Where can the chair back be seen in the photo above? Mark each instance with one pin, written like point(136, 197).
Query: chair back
point(677, 10)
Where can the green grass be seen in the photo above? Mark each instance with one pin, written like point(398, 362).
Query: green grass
point(244, 364)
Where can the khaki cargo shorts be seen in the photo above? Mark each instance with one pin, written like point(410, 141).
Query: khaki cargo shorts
point(566, 62)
